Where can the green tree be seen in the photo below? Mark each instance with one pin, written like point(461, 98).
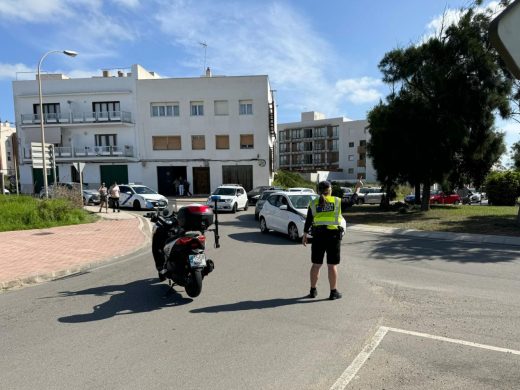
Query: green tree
point(441, 113)
point(515, 155)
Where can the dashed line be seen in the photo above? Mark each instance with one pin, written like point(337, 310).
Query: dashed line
point(363, 356)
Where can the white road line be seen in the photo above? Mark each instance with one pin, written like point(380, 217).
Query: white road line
point(455, 341)
point(360, 359)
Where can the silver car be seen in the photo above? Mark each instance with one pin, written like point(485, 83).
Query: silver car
point(260, 202)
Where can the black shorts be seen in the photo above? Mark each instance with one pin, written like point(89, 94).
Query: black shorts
point(329, 243)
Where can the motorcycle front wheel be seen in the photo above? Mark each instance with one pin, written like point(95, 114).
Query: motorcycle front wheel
point(194, 286)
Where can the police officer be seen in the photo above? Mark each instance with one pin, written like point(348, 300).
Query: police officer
point(324, 215)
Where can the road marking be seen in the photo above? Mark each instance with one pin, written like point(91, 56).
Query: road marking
point(363, 356)
point(455, 341)
point(360, 359)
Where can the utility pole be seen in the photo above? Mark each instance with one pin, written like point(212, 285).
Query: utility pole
point(2, 185)
point(205, 46)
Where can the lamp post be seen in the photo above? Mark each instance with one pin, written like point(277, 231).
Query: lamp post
point(69, 53)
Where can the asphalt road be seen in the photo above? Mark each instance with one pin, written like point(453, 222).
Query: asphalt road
point(416, 314)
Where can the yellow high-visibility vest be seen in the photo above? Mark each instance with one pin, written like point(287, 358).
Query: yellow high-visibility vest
point(329, 215)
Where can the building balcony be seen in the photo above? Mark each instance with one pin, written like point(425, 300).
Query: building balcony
point(361, 149)
point(66, 153)
point(361, 163)
point(78, 118)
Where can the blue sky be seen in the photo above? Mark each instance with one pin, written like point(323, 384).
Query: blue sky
point(320, 56)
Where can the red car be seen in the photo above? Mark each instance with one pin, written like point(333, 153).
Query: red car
point(439, 197)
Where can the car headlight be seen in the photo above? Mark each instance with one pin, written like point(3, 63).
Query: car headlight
point(229, 200)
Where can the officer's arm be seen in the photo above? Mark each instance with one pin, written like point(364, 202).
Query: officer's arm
point(308, 221)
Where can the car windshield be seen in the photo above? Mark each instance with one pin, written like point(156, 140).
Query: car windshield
point(143, 190)
point(301, 201)
point(225, 191)
point(266, 194)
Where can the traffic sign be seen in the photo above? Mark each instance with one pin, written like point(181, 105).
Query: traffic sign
point(79, 166)
point(37, 155)
point(504, 33)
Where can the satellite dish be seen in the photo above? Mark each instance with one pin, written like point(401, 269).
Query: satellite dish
point(504, 31)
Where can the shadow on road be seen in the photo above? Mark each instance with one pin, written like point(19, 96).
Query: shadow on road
point(136, 297)
point(273, 238)
point(416, 249)
point(256, 305)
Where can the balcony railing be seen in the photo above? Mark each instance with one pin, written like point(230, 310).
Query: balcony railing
point(79, 117)
point(86, 152)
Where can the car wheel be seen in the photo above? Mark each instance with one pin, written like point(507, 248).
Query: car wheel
point(293, 232)
point(360, 201)
point(246, 207)
point(234, 209)
point(263, 226)
point(137, 205)
point(85, 203)
point(457, 202)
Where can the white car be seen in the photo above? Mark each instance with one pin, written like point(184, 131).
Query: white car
point(140, 197)
point(232, 198)
point(285, 212)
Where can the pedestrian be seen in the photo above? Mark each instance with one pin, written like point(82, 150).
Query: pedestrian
point(181, 186)
point(324, 216)
point(357, 190)
point(103, 195)
point(114, 197)
point(187, 188)
point(176, 183)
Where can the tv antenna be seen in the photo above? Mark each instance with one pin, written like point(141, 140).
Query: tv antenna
point(205, 46)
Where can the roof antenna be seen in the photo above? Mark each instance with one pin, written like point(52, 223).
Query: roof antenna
point(205, 45)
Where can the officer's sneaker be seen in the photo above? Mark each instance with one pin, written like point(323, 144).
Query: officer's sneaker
point(313, 293)
point(334, 294)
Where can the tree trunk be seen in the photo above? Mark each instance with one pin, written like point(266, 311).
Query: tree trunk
point(518, 217)
point(425, 201)
point(417, 199)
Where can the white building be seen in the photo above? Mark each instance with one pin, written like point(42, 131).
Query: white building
point(316, 143)
point(7, 148)
point(138, 127)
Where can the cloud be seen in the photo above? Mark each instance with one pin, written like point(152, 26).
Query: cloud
point(360, 91)
point(127, 3)
point(9, 71)
point(33, 10)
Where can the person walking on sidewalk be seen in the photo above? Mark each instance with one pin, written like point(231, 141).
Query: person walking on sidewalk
point(181, 186)
point(324, 215)
point(103, 195)
point(114, 197)
point(187, 188)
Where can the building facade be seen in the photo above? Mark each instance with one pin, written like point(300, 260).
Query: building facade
point(141, 128)
point(7, 150)
point(317, 143)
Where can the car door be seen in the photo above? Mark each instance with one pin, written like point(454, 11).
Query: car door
point(124, 196)
point(241, 198)
point(269, 209)
point(280, 218)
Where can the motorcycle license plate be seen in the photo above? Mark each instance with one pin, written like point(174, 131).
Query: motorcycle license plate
point(197, 260)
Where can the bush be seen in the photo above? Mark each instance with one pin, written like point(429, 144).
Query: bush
point(291, 179)
point(503, 188)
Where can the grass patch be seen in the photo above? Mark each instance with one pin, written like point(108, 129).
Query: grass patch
point(495, 220)
point(25, 212)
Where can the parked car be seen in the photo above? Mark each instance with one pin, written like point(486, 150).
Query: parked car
point(370, 195)
point(89, 196)
point(439, 197)
point(139, 197)
point(232, 198)
point(346, 195)
point(285, 212)
point(301, 189)
point(260, 202)
point(409, 199)
point(254, 195)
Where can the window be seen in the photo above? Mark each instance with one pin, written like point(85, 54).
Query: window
point(296, 133)
point(198, 142)
point(221, 107)
point(307, 159)
point(307, 133)
point(319, 145)
point(8, 156)
point(307, 146)
point(284, 148)
point(246, 141)
point(284, 160)
point(222, 141)
point(362, 142)
point(105, 107)
point(164, 109)
point(362, 156)
point(317, 158)
point(245, 107)
point(106, 139)
point(351, 144)
point(51, 110)
point(320, 132)
point(171, 142)
point(350, 157)
point(351, 170)
point(197, 108)
point(334, 144)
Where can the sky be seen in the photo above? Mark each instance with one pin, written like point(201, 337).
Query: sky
point(319, 55)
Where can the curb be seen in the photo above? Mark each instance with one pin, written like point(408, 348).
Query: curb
point(49, 276)
point(444, 236)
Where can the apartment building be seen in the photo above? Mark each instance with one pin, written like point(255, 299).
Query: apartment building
point(316, 143)
point(7, 149)
point(138, 127)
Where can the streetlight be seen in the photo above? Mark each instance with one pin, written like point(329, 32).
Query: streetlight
point(69, 53)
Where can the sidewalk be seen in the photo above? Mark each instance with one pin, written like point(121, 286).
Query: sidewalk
point(33, 256)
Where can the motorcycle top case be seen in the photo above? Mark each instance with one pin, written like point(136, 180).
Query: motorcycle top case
point(195, 217)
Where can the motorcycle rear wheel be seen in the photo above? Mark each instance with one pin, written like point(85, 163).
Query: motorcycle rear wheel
point(194, 286)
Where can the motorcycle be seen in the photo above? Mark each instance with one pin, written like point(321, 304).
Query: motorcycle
point(179, 242)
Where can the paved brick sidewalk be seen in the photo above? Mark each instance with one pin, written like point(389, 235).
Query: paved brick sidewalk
point(32, 256)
